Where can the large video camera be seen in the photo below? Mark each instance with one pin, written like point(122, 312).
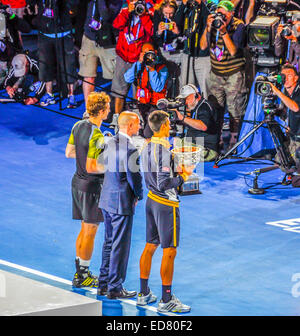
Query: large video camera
point(269, 100)
point(168, 106)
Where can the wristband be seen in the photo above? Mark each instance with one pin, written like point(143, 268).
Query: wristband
point(12, 17)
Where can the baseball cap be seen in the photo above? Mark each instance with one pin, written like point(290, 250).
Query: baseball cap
point(19, 64)
point(227, 5)
point(186, 90)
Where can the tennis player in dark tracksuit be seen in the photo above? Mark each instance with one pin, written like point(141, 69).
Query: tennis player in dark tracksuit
point(122, 188)
point(162, 180)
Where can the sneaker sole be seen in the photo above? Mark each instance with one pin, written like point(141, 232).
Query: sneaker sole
point(146, 303)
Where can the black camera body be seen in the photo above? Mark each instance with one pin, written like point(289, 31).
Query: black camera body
point(140, 7)
point(263, 87)
point(168, 105)
point(219, 20)
point(150, 58)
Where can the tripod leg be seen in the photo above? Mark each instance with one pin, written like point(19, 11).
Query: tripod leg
point(254, 129)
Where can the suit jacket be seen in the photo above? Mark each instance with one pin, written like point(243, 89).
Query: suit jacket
point(122, 184)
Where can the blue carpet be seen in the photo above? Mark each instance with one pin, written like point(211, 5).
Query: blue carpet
point(229, 262)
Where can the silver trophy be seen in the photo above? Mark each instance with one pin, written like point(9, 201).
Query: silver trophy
point(188, 156)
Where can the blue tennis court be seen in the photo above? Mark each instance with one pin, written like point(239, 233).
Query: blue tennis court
point(238, 253)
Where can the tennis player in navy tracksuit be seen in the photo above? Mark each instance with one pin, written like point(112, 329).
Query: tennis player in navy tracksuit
point(122, 188)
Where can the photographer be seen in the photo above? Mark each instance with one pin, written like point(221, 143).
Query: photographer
point(22, 79)
point(98, 42)
point(149, 74)
point(288, 39)
point(202, 120)
point(56, 47)
point(166, 32)
point(225, 36)
point(195, 64)
point(135, 28)
point(291, 100)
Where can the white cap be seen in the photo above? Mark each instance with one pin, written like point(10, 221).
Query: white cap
point(19, 63)
point(187, 90)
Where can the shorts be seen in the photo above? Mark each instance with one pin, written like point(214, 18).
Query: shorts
point(90, 54)
point(119, 87)
point(63, 53)
point(85, 206)
point(162, 223)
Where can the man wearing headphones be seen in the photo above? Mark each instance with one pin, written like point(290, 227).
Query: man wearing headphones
point(201, 121)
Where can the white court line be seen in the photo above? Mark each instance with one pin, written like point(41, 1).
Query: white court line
point(68, 282)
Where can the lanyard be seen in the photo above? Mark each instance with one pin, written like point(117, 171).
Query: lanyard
point(137, 32)
point(94, 10)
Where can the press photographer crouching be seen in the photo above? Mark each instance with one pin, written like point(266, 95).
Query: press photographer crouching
point(22, 82)
point(150, 76)
point(287, 40)
point(202, 121)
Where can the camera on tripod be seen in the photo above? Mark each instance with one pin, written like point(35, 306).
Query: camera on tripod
point(263, 87)
point(140, 7)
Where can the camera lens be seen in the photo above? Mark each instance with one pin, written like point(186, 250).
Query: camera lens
point(259, 37)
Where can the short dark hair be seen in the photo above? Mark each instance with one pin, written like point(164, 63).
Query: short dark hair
point(156, 119)
point(289, 66)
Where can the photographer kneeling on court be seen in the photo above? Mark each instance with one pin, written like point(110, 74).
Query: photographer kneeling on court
point(202, 121)
point(149, 74)
point(291, 100)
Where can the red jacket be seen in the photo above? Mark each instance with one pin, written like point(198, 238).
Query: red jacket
point(131, 52)
point(14, 3)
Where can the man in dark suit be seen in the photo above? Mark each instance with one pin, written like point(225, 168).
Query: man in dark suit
point(122, 188)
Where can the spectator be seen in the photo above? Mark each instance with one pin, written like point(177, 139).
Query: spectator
point(195, 64)
point(227, 83)
point(150, 75)
point(98, 42)
point(55, 45)
point(22, 79)
point(293, 40)
point(134, 30)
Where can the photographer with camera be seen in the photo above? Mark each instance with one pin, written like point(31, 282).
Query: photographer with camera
point(149, 74)
point(225, 36)
point(195, 62)
point(135, 26)
point(56, 47)
point(287, 40)
point(290, 98)
point(201, 121)
point(22, 79)
point(98, 42)
point(166, 31)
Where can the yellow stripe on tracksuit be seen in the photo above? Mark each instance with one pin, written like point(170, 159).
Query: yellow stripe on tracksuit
point(173, 204)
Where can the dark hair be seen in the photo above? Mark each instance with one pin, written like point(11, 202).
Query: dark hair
point(289, 66)
point(156, 119)
point(168, 3)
